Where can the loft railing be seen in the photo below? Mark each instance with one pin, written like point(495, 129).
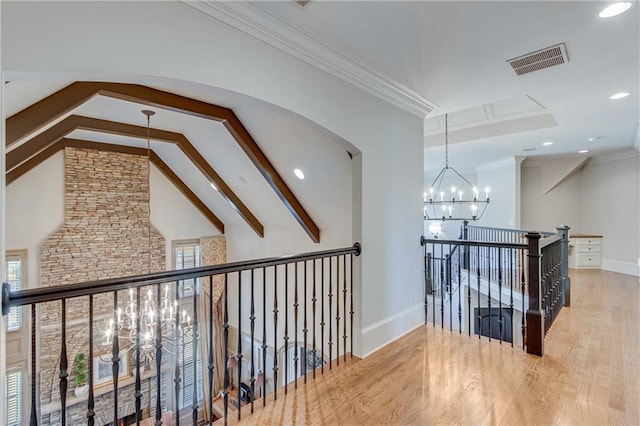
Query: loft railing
point(260, 301)
point(505, 279)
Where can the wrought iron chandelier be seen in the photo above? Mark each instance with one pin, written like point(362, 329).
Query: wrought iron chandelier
point(451, 196)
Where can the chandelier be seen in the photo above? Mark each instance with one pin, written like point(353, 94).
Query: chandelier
point(138, 324)
point(451, 196)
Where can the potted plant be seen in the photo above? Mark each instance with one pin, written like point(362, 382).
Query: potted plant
point(80, 370)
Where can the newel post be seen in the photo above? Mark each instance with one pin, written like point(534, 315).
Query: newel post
point(564, 253)
point(534, 336)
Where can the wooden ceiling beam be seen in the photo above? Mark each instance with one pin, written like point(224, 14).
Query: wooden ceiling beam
point(65, 100)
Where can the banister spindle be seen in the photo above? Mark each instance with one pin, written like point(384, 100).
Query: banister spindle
point(500, 318)
point(344, 307)
point(295, 327)
point(338, 310)
point(115, 358)
point(252, 318)
point(211, 365)
point(63, 364)
point(225, 334)
point(351, 312)
point(194, 351)
point(239, 344)
point(313, 317)
point(275, 332)
point(305, 325)
point(179, 338)
point(138, 386)
point(322, 312)
point(489, 289)
point(90, 400)
point(286, 327)
point(330, 305)
point(158, 358)
point(264, 338)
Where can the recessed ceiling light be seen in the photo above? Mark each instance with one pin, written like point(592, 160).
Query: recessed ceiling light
point(298, 173)
point(619, 95)
point(583, 151)
point(615, 9)
point(214, 186)
point(591, 139)
point(547, 143)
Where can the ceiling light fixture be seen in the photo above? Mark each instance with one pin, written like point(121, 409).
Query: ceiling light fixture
point(615, 9)
point(619, 95)
point(547, 143)
point(298, 174)
point(448, 204)
point(583, 151)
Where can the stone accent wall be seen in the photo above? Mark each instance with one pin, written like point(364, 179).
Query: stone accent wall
point(105, 235)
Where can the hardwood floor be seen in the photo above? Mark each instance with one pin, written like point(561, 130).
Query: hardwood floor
point(589, 375)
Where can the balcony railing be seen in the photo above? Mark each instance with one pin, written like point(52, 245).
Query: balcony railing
point(493, 281)
point(266, 307)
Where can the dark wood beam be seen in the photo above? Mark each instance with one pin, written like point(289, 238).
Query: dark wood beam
point(64, 101)
point(123, 149)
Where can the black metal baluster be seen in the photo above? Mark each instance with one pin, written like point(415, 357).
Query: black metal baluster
point(459, 291)
point(330, 306)
point(442, 289)
point(500, 318)
point(252, 318)
point(489, 288)
point(138, 385)
point(194, 350)
point(264, 339)
point(433, 287)
point(322, 312)
point(426, 286)
point(90, 401)
point(523, 326)
point(179, 337)
point(479, 314)
point(351, 312)
point(304, 322)
point(275, 332)
point(33, 420)
point(450, 286)
point(115, 358)
point(295, 326)
point(337, 310)
point(239, 342)
point(313, 317)
point(344, 307)
point(211, 365)
point(469, 256)
point(286, 327)
point(225, 337)
point(64, 363)
point(158, 357)
point(511, 280)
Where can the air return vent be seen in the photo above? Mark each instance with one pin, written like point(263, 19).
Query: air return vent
point(540, 59)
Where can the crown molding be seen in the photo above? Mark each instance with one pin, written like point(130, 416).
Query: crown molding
point(257, 22)
point(509, 161)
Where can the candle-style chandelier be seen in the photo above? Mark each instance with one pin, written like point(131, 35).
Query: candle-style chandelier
point(143, 318)
point(451, 196)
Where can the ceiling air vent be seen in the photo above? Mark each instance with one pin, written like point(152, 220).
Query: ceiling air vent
point(540, 59)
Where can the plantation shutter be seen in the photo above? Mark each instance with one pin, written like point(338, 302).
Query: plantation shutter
point(13, 400)
point(14, 279)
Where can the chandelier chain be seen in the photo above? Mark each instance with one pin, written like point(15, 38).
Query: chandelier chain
point(446, 140)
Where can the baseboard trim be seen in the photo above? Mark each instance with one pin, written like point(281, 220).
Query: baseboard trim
point(621, 267)
point(383, 332)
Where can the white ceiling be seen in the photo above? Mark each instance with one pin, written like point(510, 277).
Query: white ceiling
point(454, 54)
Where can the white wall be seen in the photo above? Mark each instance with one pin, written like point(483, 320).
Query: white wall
point(171, 41)
point(35, 209)
point(501, 178)
point(600, 198)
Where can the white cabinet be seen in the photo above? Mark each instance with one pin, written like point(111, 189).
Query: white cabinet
point(585, 251)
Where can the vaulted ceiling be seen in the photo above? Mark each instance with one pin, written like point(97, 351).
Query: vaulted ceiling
point(189, 140)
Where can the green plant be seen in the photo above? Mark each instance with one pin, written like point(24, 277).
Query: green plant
point(80, 369)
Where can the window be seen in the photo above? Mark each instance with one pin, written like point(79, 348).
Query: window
point(187, 255)
point(13, 400)
point(15, 279)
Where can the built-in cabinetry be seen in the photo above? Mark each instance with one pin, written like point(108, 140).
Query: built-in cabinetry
point(585, 251)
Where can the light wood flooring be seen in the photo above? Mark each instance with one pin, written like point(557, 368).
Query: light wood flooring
point(589, 375)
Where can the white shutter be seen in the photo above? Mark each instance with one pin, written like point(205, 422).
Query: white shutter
point(14, 279)
point(187, 255)
point(13, 398)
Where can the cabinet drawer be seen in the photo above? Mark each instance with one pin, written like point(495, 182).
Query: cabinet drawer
point(588, 249)
point(586, 241)
point(588, 260)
